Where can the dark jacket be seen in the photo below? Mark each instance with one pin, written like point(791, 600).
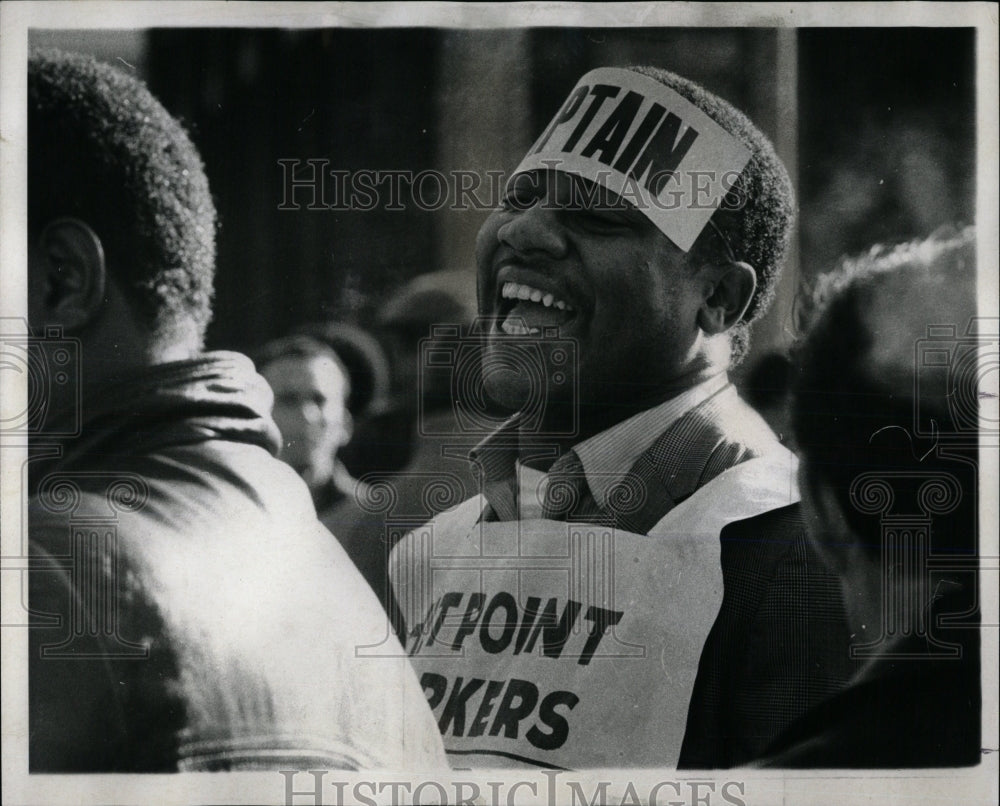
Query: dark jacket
point(189, 610)
point(779, 645)
point(920, 709)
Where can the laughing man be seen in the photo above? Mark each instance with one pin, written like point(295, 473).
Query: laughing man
point(633, 586)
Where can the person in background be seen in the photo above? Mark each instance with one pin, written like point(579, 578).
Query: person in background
point(369, 399)
point(188, 610)
point(423, 319)
point(312, 388)
point(886, 409)
point(436, 473)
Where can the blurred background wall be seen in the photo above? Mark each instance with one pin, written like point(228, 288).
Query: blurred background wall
point(877, 127)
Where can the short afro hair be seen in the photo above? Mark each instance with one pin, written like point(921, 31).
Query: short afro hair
point(757, 214)
point(102, 149)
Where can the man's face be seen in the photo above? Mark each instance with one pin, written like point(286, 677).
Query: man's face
point(598, 270)
point(309, 397)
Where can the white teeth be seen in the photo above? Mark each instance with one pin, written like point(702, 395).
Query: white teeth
point(512, 290)
point(514, 327)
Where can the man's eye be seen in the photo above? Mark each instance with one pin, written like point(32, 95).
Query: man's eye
point(522, 193)
point(518, 200)
point(601, 220)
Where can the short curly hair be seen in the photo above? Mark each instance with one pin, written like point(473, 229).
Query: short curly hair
point(102, 149)
point(757, 214)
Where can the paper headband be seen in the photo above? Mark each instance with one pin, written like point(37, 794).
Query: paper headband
point(645, 142)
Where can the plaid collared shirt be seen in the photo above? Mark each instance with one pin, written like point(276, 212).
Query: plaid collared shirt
point(635, 472)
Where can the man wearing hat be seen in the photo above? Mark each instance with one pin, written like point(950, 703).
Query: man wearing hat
point(633, 586)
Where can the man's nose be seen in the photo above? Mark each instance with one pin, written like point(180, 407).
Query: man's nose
point(536, 229)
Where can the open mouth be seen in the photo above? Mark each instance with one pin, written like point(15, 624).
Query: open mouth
point(526, 310)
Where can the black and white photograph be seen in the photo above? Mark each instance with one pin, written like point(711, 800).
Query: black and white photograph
point(483, 403)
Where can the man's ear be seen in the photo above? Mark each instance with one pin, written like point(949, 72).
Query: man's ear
point(728, 290)
point(74, 274)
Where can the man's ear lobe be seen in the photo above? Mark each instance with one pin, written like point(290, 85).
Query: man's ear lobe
point(75, 273)
point(729, 290)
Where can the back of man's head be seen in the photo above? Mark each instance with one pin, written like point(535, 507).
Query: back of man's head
point(861, 391)
point(103, 150)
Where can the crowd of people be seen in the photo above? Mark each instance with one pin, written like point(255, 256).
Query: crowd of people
point(534, 492)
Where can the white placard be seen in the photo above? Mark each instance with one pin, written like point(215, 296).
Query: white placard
point(645, 142)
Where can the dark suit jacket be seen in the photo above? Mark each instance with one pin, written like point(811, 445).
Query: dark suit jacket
point(778, 647)
point(924, 713)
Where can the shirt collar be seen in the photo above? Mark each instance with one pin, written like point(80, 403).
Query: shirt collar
point(606, 457)
point(495, 461)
